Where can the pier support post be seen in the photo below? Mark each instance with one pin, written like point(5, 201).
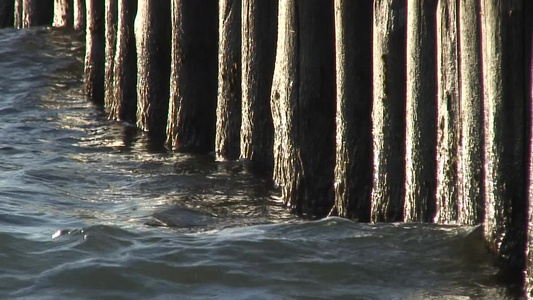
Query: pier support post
point(79, 14)
point(193, 87)
point(353, 168)
point(504, 121)
point(448, 112)
point(36, 13)
point(152, 35)
point(228, 130)
point(388, 110)
point(258, 34)
point(470, 192)
point(94, 51)
point(421, 112)
point(123, 106)
point(303, 106)
point(111, 11)
point(63, 13)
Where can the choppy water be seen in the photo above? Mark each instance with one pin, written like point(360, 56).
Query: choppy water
point(86, 204)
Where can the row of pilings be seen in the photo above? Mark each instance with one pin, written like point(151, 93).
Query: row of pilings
point(379, 111)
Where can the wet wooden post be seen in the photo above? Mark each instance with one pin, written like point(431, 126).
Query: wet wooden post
point(63, 13)
point(470, 193)
point(7, 13)
point(94, 51)
point(258, 35)
point(448, 112)
point(504, 125)
point(388, 110)
point(353, 168)
point(227, 137)
point(421, 112)
point(79, 14)
point(303, 106)
point(123, 106)
point(193, 88)
point(35, 13)
point(152, 35)
point(111, 11)
point(17, 14)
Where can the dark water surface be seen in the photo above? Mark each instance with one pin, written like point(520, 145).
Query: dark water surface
point(89, 211)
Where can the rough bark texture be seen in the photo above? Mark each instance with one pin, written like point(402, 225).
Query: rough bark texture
point(353, 169)
point(152, 35)
point(79, 14)
point(63, 13)
point(123, 106)
point(193, 93)
point(258, 30)
point(470, 197)
point(17, 13)
point(111, 19)
point(228, 130)
point(303, 106)
point(503, 84)
point(448, 112)
point(37, 13)
point(388, 110)
point(7, 9)
point(94, 51)
point(421, 112)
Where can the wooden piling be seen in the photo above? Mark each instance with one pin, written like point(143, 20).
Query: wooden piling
point(36, 13)
point(258, 35)
point(421, 112)
point(94, 51)
point(123, 106)
point(353, 167)
point(111, 20)
point(193, 88)
point(303, 106)
point(504, 120)
point(79, 14)
point(448, 112)
point(470, 192)
point(228, 130)
point(63, 13)
point(388, 110)
point(152, 35)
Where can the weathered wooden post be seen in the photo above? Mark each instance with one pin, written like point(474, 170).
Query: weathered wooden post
point(470, 193)
point(94, 51)
point(7, 9)
point(193, 88)
point(111, 11)
point(421, 112)
point(228, 130)
point(303, 106)
point(63, 13)
point(388, 110)
point(35, 12)
point(152, 35)
point(353, 169)
point(17, 14)
point(258, 34)
point(79, 14)
point(448, 112)
point(123, 106)
point(504, 121)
